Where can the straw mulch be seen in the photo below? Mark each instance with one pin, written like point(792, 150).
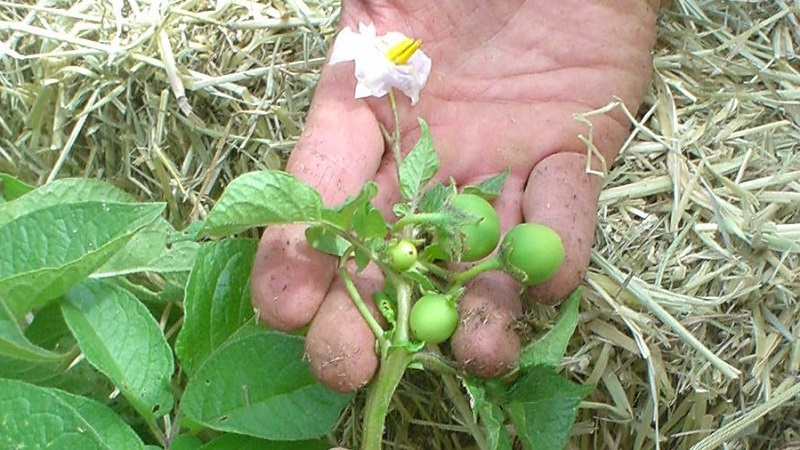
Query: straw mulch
point(689, 326)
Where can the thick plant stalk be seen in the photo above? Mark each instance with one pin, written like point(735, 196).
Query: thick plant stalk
point(380, 396)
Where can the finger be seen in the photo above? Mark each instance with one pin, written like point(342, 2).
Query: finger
point(486, 341)
point(562, 195)
point(340, 345)
point(289, 278)
point(338, 152)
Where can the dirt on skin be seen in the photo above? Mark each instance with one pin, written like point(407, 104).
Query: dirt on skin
point(486, 340)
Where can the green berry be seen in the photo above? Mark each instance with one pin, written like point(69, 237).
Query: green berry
point(532, 253)
point(433, 318)
point(479, 238)
point(402, 255)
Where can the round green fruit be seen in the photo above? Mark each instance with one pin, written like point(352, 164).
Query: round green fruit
point(433, 318)
point(532, 252)
point(401, 255)
point(480, 238)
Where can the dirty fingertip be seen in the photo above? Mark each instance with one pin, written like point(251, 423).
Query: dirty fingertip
point(289, 278)
point(486, 341)
point(562, 195)
point(339, 344)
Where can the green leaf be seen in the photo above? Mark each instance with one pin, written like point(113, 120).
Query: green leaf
point(420, 279)
point(419, 166)
point(490, 415)
point(42, 355)
point(63, 191)
point(13, 342)
point(550, 349)
point(148, 251)
point(542, 406)
point(342, 215)
point(19, 358)
point(262, 198)
point(258, 383)
point(401, 210)
point(217, 301)
point(193, 232)
point(185, 442)
point(435, 197)
point(362, 259)
point(368, 223)
point(326, 241)
point(493, 420)
point(44, 253)
point(12, 188)
point(48, 329)
point(36, 417)
point(240, 442)
point(489, 188)
point(121, 339)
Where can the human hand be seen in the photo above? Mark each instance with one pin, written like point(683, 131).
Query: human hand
point(507, 78)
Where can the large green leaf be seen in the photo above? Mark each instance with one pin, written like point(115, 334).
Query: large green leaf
point(262, 198)
point(122, 340)
point(45, 252)
point(419, 166)
point(60, 192)
point(229, 441)
point(148, 251)
point(550, 349)
point(259, 384)
point(36, 417)
point(217, 301)
point(542, 405)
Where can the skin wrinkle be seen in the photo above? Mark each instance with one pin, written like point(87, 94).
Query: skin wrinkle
point(585, 105)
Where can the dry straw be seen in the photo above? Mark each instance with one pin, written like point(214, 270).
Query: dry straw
point(691, 323)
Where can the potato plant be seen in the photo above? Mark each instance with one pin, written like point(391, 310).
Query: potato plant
point(139, 336)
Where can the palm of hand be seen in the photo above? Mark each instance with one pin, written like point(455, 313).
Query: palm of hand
point(507, 78)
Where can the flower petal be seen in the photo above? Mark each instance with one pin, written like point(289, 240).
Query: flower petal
point(347, 46)
point(376, 75)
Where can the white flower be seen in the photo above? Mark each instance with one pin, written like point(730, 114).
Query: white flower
point(383, 62)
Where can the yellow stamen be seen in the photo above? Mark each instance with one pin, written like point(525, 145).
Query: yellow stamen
point(403, 50)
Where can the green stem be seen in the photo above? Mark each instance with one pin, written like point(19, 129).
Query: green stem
point(435, 269)
point(395, 141)
point(380, 394)
point(421, 218)
point(460, 278)
point(355, 242)
point(463, 408)
point(403, 311)
point(433, 361)
point(156, 432)
point(359, 302)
